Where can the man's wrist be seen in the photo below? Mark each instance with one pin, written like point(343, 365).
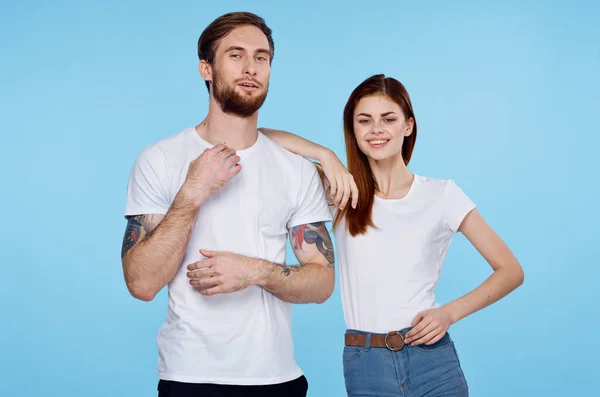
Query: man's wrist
point(262, 269)
point(192, 197)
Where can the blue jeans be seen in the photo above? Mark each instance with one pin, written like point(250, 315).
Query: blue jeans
point(420, 371)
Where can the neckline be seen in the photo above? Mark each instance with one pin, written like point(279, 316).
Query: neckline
point(241, 153)
point(415, 182)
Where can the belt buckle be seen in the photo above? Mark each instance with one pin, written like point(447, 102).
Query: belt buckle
point(392, 333)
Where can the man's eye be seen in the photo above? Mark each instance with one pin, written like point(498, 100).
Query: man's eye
point(235, 56)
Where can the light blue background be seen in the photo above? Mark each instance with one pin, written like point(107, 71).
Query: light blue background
point(506, 97)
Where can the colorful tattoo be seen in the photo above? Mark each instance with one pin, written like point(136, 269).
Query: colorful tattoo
point(134, 231)
point(313, 233)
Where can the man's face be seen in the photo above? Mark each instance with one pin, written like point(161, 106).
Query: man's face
point(241, 71)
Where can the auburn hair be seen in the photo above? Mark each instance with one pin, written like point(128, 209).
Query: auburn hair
point(360, 218)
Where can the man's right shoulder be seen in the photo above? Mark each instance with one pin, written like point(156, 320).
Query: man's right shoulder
point(171, 146)
point(283, 155)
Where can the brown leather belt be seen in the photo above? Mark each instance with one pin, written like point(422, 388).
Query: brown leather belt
point(393, 340)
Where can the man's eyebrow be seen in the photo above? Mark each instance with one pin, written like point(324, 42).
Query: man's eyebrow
point(238, 48)
point(235, 48)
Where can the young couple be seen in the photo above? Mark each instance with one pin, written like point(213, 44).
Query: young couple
point(209, 211)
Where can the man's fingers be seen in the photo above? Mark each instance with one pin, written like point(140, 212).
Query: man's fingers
point(234, 170)
point(206, 283)
point(198, 265)
point(232, 160)
point(218, 148)
point(212, 291)
point(226, 154)
point(207, 253)
point(202, 273)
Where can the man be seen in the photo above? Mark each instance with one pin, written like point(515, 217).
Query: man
point(209, 210)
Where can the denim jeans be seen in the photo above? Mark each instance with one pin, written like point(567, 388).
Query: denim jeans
point(419, 371)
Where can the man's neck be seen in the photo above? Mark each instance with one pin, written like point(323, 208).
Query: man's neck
point(236, 132)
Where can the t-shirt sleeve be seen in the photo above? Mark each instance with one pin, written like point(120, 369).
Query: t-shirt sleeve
point(147, 186)
point(312, 205)
point(458, 205)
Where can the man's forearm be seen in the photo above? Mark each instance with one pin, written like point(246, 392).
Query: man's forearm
point(154, 261)
point(310, 283)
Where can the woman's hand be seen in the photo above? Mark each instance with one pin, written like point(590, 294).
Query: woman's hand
point(342, 187)
point(429, 327)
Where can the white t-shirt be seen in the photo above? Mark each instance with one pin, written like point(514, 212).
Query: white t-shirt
point(244, 337)
point(388, 275)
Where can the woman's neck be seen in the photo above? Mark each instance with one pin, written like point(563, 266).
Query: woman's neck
point(392, 177)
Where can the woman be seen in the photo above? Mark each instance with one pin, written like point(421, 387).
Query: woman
point(391, 242)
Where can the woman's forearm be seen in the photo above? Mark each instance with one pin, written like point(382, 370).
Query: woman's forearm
point(497, 286)
point(297, 144)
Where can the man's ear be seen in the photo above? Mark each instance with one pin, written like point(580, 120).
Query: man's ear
point(205, 70)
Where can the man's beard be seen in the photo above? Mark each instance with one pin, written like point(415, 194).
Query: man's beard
point(233, 103)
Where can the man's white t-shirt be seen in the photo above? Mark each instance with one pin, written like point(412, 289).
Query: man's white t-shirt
point(388, 275)
point(244, 337)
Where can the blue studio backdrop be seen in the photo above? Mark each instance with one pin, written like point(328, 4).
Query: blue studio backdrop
point(506, 99)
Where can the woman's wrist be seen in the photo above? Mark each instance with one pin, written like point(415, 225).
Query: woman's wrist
point(325, 155)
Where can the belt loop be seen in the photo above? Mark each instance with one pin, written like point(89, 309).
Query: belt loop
point(368, 342)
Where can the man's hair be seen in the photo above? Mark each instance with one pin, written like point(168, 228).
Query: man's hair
point(222, 26)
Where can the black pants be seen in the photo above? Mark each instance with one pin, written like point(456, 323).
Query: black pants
point(294, 388)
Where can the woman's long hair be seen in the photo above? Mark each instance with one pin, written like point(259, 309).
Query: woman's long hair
point(360, 218)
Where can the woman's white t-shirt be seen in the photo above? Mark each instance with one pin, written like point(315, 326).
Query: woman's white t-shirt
point(388, 275)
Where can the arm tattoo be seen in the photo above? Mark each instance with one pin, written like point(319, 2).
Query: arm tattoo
point(287, 270)
point(136, 228)
point(313, 233)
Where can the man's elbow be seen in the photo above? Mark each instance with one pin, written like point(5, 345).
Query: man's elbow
point(325, 293)
point(140, 291)
point(145, 295)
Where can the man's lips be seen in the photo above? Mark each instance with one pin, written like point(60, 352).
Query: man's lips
point(249, 85)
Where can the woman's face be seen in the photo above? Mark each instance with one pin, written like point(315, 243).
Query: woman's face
point(380, 127)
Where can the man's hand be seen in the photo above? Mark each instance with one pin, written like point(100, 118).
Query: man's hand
point(429, 327)
point(210, 171)
point(222, 272)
